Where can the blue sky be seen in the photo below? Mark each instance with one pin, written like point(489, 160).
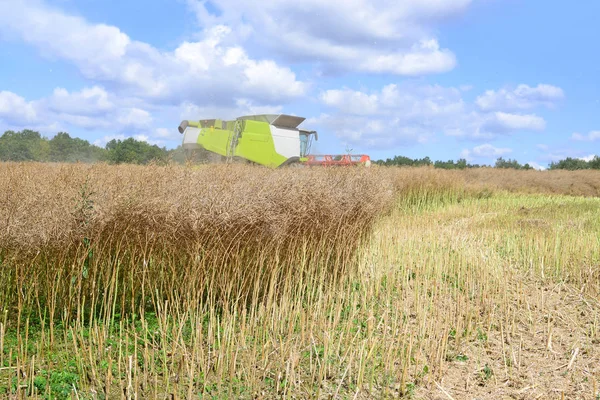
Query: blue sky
point(446, 79)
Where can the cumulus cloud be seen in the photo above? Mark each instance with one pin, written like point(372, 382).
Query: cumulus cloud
point(394, 115)
point(520, 98)
point(88, 101)
point(351, 101)
point(425, 57)
point(14, 109)
point(409, 113)
point(368, 132)
point(411, 101)
point(242, 107)
point(501, 122)
point(89, 108)
point(486, 151)
point(204, 71)
point(248, 107)
point(590, 137)
point(359, 35)
point(134, 118)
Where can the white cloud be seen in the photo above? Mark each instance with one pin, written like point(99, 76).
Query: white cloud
point(247, 107)
point(522, 97)
point(426, 57)
point(501, 122)
point(242, 107)
point(271, 81)
point(204, 72)
point(84, 121)
point(408, 113)
point(557, 156)
point(14, 109)
point(587, 158)
point(105, 139)
point(134, 118)
point(90, 108)
point(394, 115)
point(88, 101)
point(486, 150)
point(561, 153)
point(590, 137)
point(368, 132)
point(350, 101)
point(360, 35)
point(410, 101)
point(168, 134)
point(537, 166)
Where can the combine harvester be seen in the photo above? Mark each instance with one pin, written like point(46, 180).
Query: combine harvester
point(272, 140)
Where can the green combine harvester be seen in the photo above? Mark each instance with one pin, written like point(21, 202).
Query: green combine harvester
point(272, 140)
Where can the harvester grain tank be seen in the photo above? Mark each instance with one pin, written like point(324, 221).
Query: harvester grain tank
point(272, 140)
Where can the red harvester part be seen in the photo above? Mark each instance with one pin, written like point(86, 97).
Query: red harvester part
point(331, 160)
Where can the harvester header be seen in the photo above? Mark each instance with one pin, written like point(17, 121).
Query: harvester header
point(272, 140)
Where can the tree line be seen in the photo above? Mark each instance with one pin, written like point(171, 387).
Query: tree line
point(29, 145)
point(568, 163)
point(461, 163)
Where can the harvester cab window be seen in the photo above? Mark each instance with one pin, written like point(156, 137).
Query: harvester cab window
point(303, 144)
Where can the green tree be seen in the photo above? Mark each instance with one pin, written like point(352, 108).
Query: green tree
point(26, 145)
point(594, 163)
point(502, 163)
point(133, 151)
point(426, 161)
point(64, 148)
point(571, 164)
point(423, 162)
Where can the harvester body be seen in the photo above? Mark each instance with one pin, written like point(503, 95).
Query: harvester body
point(272, 140)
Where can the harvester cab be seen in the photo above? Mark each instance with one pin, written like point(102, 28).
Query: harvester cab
point(272, 140)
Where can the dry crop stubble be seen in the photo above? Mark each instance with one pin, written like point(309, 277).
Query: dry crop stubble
point(542, 321)
point(238, 281)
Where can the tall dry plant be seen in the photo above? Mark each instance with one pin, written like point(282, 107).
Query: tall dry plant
point(114, 237)
point(119, 238)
